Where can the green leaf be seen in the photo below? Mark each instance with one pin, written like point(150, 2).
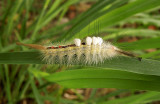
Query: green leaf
point(146, 21)
point(136, 99)
point(151, 54)
point(35, 90)
point(113, 16)
point(146, 66)
point(130, 32)
point(106, 78)
point(20, 58)
point(141, 44)
point(121, 72)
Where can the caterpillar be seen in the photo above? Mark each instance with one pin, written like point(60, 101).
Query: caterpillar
point(93, 51)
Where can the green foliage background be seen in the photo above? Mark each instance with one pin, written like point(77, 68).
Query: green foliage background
point(122, 72)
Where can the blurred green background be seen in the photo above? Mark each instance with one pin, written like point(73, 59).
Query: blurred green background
point(132, 25)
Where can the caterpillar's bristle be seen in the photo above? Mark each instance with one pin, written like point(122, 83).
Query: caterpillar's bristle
point(92, 51)
point(34, 46)
point(129, 54)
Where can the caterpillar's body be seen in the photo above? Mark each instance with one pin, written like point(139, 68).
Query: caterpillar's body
point(92, 51)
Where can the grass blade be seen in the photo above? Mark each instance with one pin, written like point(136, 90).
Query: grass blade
point(146, 66)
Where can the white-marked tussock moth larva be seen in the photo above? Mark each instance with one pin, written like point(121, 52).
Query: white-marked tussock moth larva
point(93, 51)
